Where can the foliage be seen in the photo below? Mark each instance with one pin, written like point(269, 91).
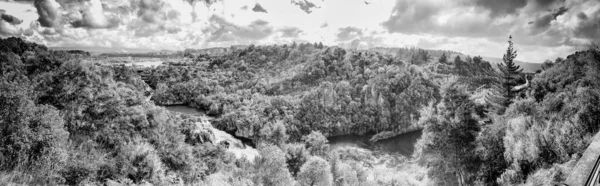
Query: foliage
point(271, 167)
point(67, 121)
point(315, 172)
point(316, 143)
point(449, 141)
point(296, 156)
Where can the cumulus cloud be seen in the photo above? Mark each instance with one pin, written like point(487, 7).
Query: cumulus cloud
point(348, 33)
point(223, 31)
point(258, 8)
point(503, 7)
point(7, 25)
point(9, 18)
point(532, 22)
point(48, 10)
point(588, 26)
point(291, 32)
point(543, 22)
point(93, 16)
point(305, 5)
point(447, 18)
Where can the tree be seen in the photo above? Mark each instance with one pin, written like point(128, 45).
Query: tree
point(316, 143)
point(315, 172)
point(274, 133)
point(449, 137)
point(469, 59)
point(33, 137)
point(510, 71)
point(443, 59)
point(459, 65)
point(457, 59)
point(296, 156)
point(547, 64)
point(343, 174)
point(271, 168)
point(421, 57)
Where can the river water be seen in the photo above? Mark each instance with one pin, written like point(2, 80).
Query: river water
point(403, 144)
point(185, 110)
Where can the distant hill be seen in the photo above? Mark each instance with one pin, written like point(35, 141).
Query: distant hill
point(214, 50)
point(526, 66)
point(101, 50)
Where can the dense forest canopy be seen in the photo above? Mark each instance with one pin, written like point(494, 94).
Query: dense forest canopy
point(67, 120)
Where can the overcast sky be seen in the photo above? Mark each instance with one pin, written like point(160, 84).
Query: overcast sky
point(541, 29)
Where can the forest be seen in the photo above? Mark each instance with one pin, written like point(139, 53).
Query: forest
point(68, 121)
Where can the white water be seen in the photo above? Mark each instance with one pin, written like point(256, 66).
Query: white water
point(239, 149)
point(235, 145)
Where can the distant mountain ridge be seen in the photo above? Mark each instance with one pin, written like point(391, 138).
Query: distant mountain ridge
point(526, 66)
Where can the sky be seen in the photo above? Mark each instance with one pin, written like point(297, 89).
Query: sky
point(541, 29)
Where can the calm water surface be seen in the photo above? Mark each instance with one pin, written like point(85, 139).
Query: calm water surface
point(403, 144)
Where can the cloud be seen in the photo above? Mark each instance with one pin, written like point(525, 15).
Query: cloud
point(7, 25)
point(348, 33)
point(544, 4)
point(543, 22)
point(531, 22)
point(223, 31)
point(588, 26)
point(10, 19)
point(93, 16)
point(151, 11)
point(503, 7)
point(305, 5)
point(258, 8)
point(291, 32)
point(48, 10)
point(206, 2)
point(448, 18)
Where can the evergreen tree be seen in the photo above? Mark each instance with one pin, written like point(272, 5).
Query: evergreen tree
point(457, 59)
point(450, 138)
point(510, 71)
point(459, 66)
point(443, 58)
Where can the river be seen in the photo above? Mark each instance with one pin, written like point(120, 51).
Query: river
point(236, 146)
point(403, 144)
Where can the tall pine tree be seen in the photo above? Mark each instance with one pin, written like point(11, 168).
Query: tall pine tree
point(510, 71)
